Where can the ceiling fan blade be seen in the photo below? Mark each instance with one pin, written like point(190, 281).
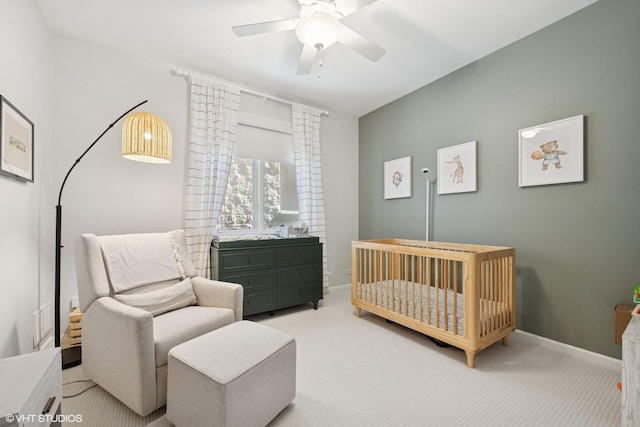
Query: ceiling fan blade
point(360, 44)
point(307, 58)
point(265, 27)
point(347, 8)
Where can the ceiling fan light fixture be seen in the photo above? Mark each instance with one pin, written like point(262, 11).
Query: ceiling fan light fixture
point(318, 30)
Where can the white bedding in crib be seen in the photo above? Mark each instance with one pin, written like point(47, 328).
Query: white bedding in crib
point(379, 290)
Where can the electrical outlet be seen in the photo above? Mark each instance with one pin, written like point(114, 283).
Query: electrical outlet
point(75, 302)
point(36, 329)
point(347, 272)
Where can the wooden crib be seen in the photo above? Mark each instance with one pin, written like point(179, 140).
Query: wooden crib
point(460, 294)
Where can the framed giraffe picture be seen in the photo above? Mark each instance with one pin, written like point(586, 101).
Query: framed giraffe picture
point(458, 168)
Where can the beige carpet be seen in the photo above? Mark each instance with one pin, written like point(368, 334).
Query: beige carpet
point(366, 372)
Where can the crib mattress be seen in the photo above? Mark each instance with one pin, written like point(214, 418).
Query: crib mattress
point(379, 293)
point(443, 312)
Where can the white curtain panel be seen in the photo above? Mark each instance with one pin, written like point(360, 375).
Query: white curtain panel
point(305, 125)
point(212, 132)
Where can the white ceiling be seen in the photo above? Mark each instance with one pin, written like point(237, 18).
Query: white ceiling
point(424, 40)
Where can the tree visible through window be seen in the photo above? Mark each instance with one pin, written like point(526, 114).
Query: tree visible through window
point(261, 194)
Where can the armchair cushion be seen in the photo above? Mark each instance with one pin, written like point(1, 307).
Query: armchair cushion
point(176, 327)
point(161, 300)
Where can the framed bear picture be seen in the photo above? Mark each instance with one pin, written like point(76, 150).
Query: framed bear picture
point(551, 153)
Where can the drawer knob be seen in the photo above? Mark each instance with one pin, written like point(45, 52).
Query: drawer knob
point(49, 405)
point(249, 282)
point(249, 302)
point(249, 260)
point(301, 274)
point(301, 292)
point(301, 255)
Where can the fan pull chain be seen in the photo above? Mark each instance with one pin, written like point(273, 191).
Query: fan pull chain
point(320, 63)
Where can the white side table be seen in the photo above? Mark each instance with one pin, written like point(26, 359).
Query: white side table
point(31, 392)
point(631, 373)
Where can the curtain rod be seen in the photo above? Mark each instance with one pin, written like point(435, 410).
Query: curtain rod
point(178, 72)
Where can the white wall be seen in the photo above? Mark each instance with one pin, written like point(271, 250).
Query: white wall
point(106, 194)
point(26, 209)
point(339, 149)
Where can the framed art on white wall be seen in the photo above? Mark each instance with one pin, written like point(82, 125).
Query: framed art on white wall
point(397, 178)
point(457, 168)
point(16, 142)
point(552, 153)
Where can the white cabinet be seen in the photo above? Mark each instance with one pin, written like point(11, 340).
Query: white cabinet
point(631, 373)
point(31, 389)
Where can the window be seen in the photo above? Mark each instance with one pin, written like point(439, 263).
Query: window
point(261, 190)
point(261, 195)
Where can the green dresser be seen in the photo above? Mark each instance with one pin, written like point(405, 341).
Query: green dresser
point(274, 273)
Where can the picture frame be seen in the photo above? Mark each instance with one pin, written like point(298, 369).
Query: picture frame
point(458, 168)
point(16, 142)
point(551, 153)
point(397, 178)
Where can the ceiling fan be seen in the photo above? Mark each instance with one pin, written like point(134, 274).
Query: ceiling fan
point(318, 27)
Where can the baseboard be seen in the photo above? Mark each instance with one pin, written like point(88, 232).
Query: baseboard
point(339, 288)
point(596, 358)
point(47, 343)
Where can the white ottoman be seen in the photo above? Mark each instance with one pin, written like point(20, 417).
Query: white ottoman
point(240, 375)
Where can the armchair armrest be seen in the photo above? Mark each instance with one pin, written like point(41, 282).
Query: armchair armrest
point(213, 293)
point(118, 352)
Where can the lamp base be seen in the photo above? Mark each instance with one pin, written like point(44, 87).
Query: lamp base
point(71, 357)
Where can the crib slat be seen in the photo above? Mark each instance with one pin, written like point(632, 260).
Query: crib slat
point(500, 277)
point(387, 261)
point(447, 284)
point(438, 284)
point(420, 283)
point(489, 286)
point(492, 285)
point(483, 301)
point(429, 287)
point(455, 297)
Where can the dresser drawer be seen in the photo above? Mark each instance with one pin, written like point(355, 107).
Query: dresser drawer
point(299, 294)
point(301, 254)
point(293, 276)
point(258, 302)
point(252, 280)
point(247, 260)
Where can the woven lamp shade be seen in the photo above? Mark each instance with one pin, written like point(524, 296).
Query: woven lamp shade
point(146, 138)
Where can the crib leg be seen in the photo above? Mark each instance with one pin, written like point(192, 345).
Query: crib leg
point(470, 356)
point(358, 311)
point(505, 341)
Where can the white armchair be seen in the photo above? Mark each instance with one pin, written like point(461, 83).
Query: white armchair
point(140, 297)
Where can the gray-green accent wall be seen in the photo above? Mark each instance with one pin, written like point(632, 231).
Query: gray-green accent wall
point(577, 245)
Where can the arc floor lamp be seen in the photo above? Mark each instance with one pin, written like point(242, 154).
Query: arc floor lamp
point(145, 138)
